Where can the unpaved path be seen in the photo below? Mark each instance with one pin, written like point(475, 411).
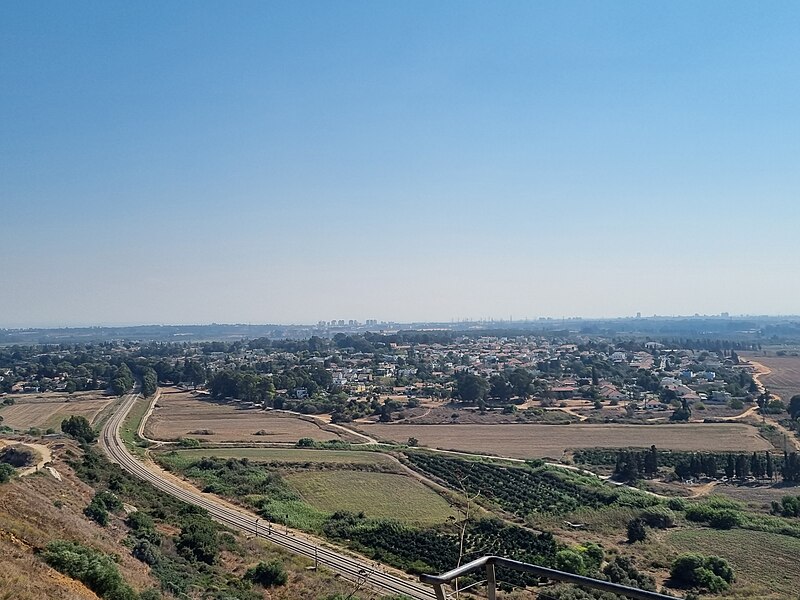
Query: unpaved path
point(760, 371)
point(45, 456)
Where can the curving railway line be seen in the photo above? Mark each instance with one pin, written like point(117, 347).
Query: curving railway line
point(352, 568)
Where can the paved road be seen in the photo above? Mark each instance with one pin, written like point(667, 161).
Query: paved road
point(352, 568)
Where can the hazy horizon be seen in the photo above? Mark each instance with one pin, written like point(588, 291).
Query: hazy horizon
point(287, 163)
point(389, 321)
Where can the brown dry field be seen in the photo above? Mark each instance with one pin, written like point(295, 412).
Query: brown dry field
point(551, 441)
point(48, 410)
point(180, 414)
point(784, 379)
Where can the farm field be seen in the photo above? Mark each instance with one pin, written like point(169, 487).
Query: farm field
point(181, 414)
point(289, 455)
point(784, 379)
point(762, 560)
point(45, 411)
point(758, 497)
point(378, 495)
point(551, 441)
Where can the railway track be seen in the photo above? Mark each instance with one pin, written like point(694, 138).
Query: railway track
point(370, 574)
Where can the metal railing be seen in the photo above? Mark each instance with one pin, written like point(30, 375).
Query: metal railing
point(488, 563)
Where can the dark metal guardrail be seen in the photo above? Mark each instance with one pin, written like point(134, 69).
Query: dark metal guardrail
point(488, 564)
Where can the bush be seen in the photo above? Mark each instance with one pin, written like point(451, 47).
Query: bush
point(637, 532)
point(6, 472)
point(145, 551)
point(267, 574)
point(570, 561)
point(95, 570)
point(97, 513)
point(198, 540)
point(621, 570)
point(719, 513)
point(659, 517)
point(676, 504)
point(706, 572)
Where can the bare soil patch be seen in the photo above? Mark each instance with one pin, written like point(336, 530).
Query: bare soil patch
point(551, 441)
point(182, 414)
point(44, 411)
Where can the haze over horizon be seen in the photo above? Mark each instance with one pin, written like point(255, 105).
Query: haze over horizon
point(290, 162)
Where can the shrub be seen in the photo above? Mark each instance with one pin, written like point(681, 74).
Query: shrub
point(267, 574)
point(570, 561)
point(6, 472)
point(305, 442)
point(707, 572)
point(637, 532)
point(188, 442)
point(95, 570)
point(621, 570)
point(719, 513)
point(145, 551)
point(659, 517)
point(198, 540)
point(97, 513)
point(676, 504)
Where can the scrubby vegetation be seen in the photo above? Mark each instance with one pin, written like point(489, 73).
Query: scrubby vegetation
point(94, 569)
point(6, 472)
point(183, 563)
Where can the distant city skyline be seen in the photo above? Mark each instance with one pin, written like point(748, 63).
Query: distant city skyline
point(287, 162)
point(377, 323)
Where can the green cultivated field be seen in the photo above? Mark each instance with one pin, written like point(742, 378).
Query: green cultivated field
point(378, 495)
point(289, 455)
point(766, 561)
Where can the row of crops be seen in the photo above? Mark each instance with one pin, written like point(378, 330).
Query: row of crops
point(519, 490)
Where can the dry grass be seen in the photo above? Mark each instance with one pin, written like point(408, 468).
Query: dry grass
point(48, 410)
point(757, 496)
point(551, 441)
point(784, 379)
point(181, 414)
point(765, 563)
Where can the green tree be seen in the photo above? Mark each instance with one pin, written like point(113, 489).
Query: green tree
point(499, 389)
point(521, 382)
point(471, 388)
point(79, 428)
point(794, 406)
point(149, 381)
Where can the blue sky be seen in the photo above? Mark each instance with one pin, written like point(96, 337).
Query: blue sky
point(190, 162)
